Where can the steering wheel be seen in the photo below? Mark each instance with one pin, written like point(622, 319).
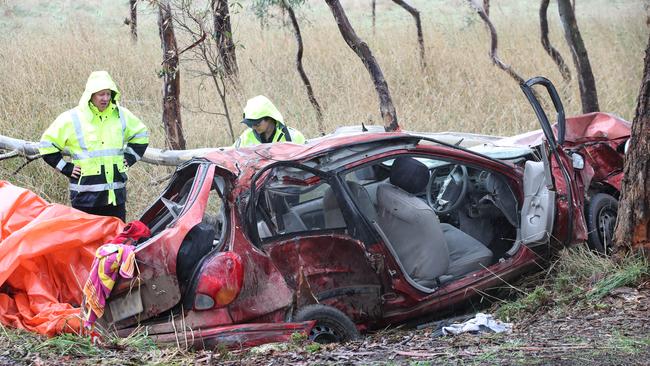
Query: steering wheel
point(452, 192)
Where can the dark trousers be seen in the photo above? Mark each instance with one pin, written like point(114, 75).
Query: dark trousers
point(118, 211)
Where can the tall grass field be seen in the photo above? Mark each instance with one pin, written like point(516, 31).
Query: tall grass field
point(50, 47)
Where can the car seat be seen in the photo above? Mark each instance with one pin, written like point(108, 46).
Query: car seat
point(334, 217)
point(426, 248)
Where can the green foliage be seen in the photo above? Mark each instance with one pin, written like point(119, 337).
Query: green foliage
point(629, 344)
point(313, 347)
point(261, 8)
point(421, 363)
point(529, 304)
point(298, 338)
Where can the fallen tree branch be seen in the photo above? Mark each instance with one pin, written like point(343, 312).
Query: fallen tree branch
point(29, 159)
point(153, 156)
point(9, 155)
point(420, 354)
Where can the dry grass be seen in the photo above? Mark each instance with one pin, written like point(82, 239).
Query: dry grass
point(47, 57)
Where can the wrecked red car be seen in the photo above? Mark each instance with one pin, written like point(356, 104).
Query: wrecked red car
point(359, 230)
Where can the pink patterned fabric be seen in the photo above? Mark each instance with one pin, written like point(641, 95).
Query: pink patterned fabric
point(111, 259)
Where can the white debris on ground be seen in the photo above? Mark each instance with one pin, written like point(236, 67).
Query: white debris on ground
point(481, 323)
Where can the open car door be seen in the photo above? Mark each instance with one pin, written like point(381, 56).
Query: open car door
point(551, 187)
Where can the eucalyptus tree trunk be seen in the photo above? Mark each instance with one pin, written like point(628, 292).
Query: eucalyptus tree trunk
point(418, 25)
point(362, 50)
point(586, 81)
point(171, 79)
point(133, 4)
point(632, 231)
point(223, 37)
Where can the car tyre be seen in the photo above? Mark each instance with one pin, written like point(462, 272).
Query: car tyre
point(601, 219)
point(332, 325)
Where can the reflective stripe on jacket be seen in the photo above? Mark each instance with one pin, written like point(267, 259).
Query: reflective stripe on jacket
point(250, 138)
point(97, 142)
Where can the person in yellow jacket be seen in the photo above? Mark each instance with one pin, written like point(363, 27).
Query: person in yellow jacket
point(265, 124)
point(104, 139)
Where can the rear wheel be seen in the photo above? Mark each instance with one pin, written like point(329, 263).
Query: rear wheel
point(331, 324)
point(601, 219)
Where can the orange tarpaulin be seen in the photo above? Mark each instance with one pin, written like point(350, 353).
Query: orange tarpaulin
point(46, 252)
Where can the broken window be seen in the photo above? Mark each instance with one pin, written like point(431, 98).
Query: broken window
point(171, 203)
point(293, 200)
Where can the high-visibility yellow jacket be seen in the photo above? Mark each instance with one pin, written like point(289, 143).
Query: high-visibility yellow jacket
point(260, 107)
point(282, 134)
point(99, 143)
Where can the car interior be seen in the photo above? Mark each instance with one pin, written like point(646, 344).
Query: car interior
point(441, 220)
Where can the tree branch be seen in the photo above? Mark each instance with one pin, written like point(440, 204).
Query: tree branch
point(362, 50)
point(418, 25)
point(546, 43)
point(494, 43)
point(153, 156)
point(301, 70)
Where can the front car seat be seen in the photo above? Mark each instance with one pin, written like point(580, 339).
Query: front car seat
point(333, 214)
point(429, 251)
point(410, 225)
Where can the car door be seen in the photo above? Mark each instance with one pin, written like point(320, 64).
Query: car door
point(554, 192)
point(297, 215)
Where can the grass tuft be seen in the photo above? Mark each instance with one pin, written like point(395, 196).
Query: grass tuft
point(627, 273)
point(579, 277)
point(138, 340)
point(70, 344)
point(528, 304)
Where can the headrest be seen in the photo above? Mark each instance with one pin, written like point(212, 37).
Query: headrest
point(409, 174)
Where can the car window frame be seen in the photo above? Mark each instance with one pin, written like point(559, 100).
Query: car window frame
point(259, 179)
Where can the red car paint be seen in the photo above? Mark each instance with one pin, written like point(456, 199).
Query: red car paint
point(267, 282)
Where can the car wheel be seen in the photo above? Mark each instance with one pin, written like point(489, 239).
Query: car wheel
point(331, 324)
point(601, 219)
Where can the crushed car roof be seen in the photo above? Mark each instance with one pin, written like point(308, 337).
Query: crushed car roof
point(262, 155)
